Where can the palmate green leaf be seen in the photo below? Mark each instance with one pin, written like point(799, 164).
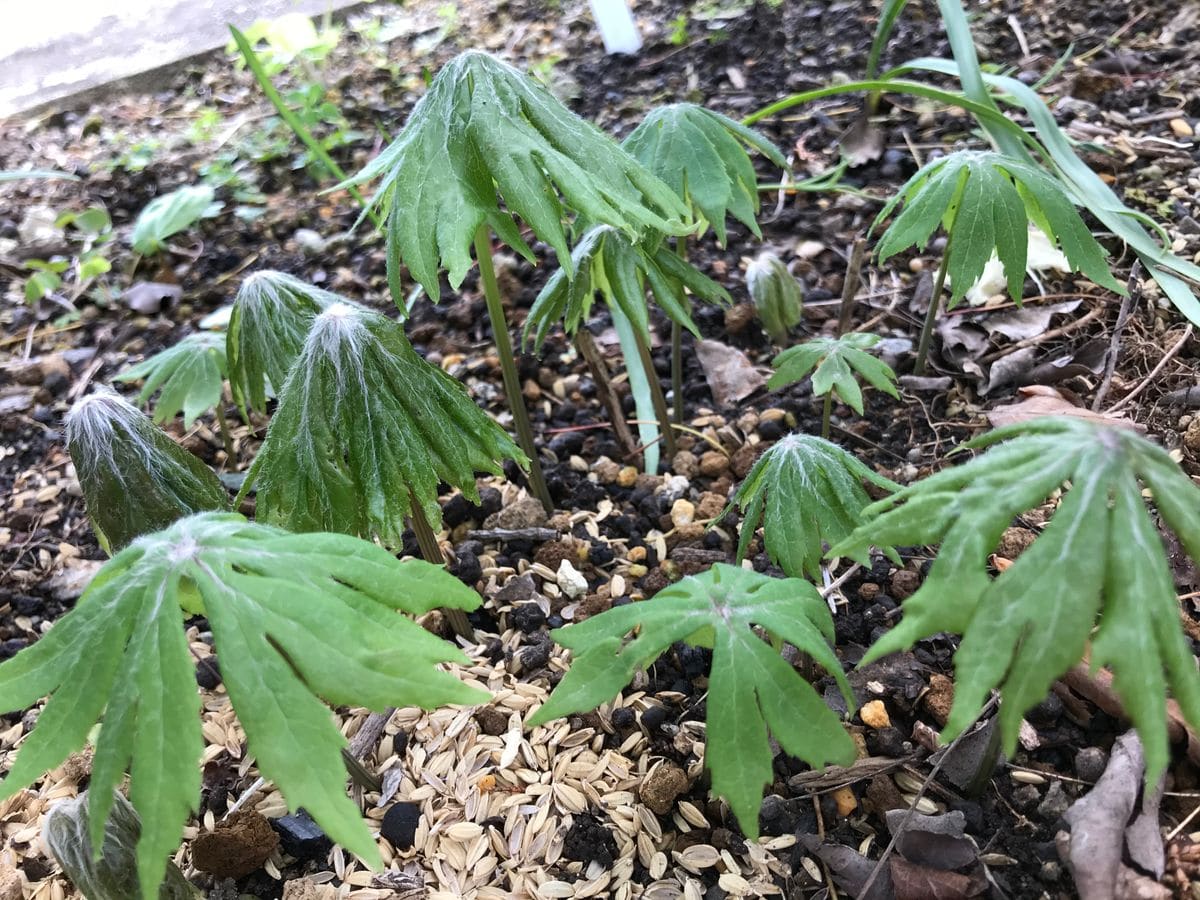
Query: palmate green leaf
point(294, 618)
point(835, 364)
point(270, 319)
point(805, 492)
point(777, 295)
point(1098, 572)
point(134, 478)
point(485, 132)
point(605, 262)
point(985, 201)
point(364, 428)
point(170, 214)
point(702, 155)
point(751, 688)
point(189, 377)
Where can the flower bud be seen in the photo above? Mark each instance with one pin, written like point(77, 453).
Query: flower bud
point(777, 295)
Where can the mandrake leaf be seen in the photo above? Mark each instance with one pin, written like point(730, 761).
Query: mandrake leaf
point(134, 478)
point(835, 365)
point(985, 201)
point(270, 319)
point(188, 377)
point(485, 132)
point(702, 156)
point(364, 429)
point(294, 617)
point(751, 688)
point(604, 262)
point(805, 492)
point(1097, 573)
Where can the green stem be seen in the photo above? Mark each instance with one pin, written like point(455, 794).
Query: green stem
point(677, 348)
point(298, 128)
point(432, 551)
point(226, 436)
point(508, 366)
point(935, 304)
point(656, 396)
point(826, 412)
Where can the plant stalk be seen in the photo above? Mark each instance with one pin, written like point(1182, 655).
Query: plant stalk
point(826, 412)
point(432, 551)
point(935, 304)
point(226, 435)
point(656, 396)
point(677, 348)
point(508, 366)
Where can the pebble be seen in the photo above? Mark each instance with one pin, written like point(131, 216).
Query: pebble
point(662, 787)
point(1182, 127)
point(10, 882)
point(570, 581)
point(685, 463)
point(300, 836)
point(713, 463)
point(518, 589)
point(709, 506)
point(1026, 797)
point(399, 825)
point(875, 715)
point(238, 845)
point(1090, 763)
point(606, 471)
point(309, 241)
point(528, 617)
point(1055, 804)
point(526, 513)
point(683, 512)
point(627, 477)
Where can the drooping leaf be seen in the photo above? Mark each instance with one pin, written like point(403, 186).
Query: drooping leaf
point(364, 428)
point(702, 155)
point(805, 492)
point(985, 201)
point(605, 262)
point(295, 617)
point(485, 132)
point(134, 478)
point(777, 295)
point(170, 214)
point(270, 319)
point(835, 364)
point(751, 688)
point(189, 377)
point(1098, 572)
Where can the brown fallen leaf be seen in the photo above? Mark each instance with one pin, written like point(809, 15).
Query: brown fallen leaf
point(1040, 400)
point(936, 841)
point(915, 882)
point(730, 374)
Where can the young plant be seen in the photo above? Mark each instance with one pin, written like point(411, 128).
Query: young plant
point(271, 317)
point(134, 478)
point(483, 133)
point(984, 201)
point(702, 155)
point(90, 229)
point(777, 295)
point(1096, 575)
point(189, 378)
point(836, 363)
point(364, 432)
point(170, 214)
point(295, 617)
point(806, 493)
point(751, 687)
point(607, 263)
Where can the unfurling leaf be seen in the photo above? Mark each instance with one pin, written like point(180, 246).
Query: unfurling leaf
point(485, 132)
point(295, 617)
point(777, 296)
point(985, 201)
point(805, 492)
point(365, 428)
point(134, 478)
point(702, 156)
point(751, 687)
point(190, 377)
point(606, 263)
point(270, 319)
point(1097, 573)
point(834, 364)
point(170, 214)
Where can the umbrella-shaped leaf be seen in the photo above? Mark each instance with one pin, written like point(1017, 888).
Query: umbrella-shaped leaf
point(189, 377)
point(134, 478)
point(296, 618)
point(485, 132)
point(365, 427)
point(702, 155)
point(836, 365)
point(752, 690)
point(1098, 572)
